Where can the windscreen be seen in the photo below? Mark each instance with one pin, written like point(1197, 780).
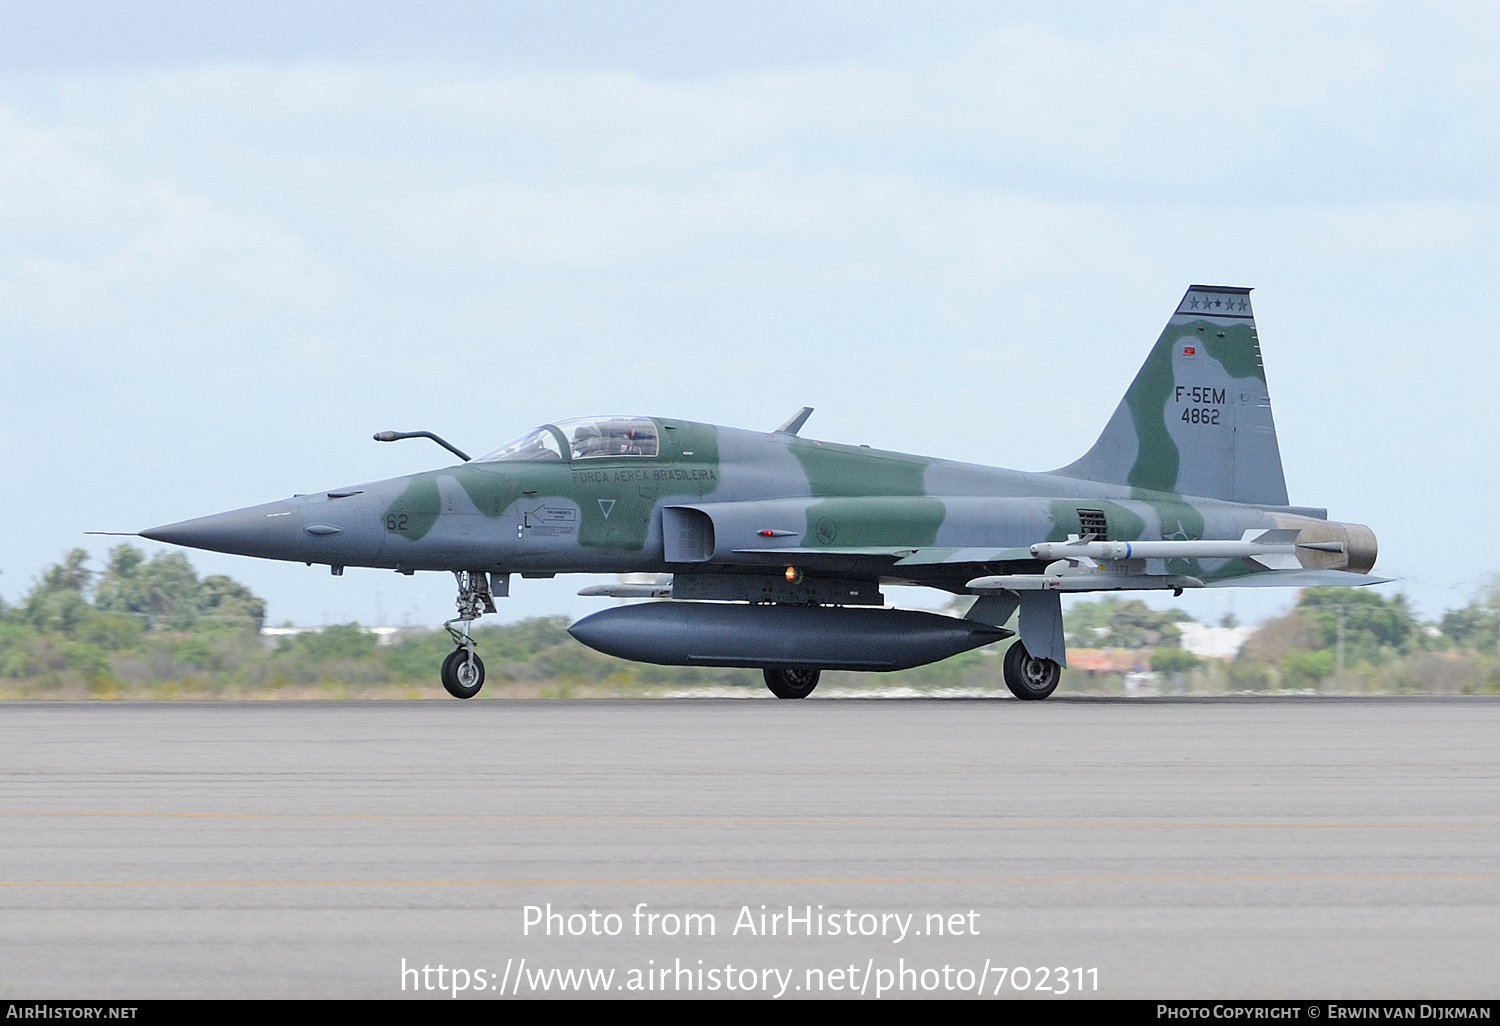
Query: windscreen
point(540, 444)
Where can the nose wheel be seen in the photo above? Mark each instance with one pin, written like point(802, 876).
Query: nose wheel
point(463, 670)
point(463, 673)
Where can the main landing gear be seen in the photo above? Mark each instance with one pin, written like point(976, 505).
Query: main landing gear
point(798, 683)
point(463, 670)
point(1029, 678)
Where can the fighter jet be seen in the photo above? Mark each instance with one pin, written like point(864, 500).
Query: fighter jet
point(769, 550)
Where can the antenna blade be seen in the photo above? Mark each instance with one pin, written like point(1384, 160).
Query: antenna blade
point(795, 421)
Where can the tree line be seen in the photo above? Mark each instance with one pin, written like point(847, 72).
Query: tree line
point(144, 627)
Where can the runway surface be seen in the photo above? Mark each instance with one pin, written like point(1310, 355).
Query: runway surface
point(1253, 848)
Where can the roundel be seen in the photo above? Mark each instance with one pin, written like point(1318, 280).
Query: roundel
point(826, 530)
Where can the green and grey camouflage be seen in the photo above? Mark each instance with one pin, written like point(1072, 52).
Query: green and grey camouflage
point(770, 549)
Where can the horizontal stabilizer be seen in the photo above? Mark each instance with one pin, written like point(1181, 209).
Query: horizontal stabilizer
point(1276, 536)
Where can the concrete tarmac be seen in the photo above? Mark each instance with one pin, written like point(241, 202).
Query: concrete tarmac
point(1303, 848)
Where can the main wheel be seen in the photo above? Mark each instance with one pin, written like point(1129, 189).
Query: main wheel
point(1028, 677)
point(792, 683)
point(463, 676)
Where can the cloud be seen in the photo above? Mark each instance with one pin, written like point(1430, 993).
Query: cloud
point(961, 246)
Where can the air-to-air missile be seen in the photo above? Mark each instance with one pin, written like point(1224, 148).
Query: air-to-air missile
point(769, 550)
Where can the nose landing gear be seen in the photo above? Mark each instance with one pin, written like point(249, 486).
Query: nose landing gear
point(463, 670)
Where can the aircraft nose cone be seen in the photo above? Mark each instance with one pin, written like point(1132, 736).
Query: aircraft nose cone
point(272, 531)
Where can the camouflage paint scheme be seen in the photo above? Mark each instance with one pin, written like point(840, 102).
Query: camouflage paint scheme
point(1191, 453)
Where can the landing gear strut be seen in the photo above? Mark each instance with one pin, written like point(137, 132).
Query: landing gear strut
point(1029, 678)
point(463, 670)
point(797, 683)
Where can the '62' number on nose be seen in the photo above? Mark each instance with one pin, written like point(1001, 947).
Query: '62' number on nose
point(395, 521)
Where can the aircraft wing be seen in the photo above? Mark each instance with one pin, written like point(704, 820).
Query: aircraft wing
point(904, 563)
point(933, 556)
point(978, 563)
point(1300, 579)
point(839, 559)
point(899, 555)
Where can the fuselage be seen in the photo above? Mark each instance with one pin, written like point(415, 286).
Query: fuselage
point(706, 498)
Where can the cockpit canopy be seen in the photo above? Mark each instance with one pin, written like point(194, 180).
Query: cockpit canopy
point(583, 439)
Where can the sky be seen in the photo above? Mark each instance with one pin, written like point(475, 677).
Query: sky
point(235, 241)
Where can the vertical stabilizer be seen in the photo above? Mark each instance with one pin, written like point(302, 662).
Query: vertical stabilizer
point(1197, 418)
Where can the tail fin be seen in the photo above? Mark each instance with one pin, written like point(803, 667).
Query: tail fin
point(1197, 418)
